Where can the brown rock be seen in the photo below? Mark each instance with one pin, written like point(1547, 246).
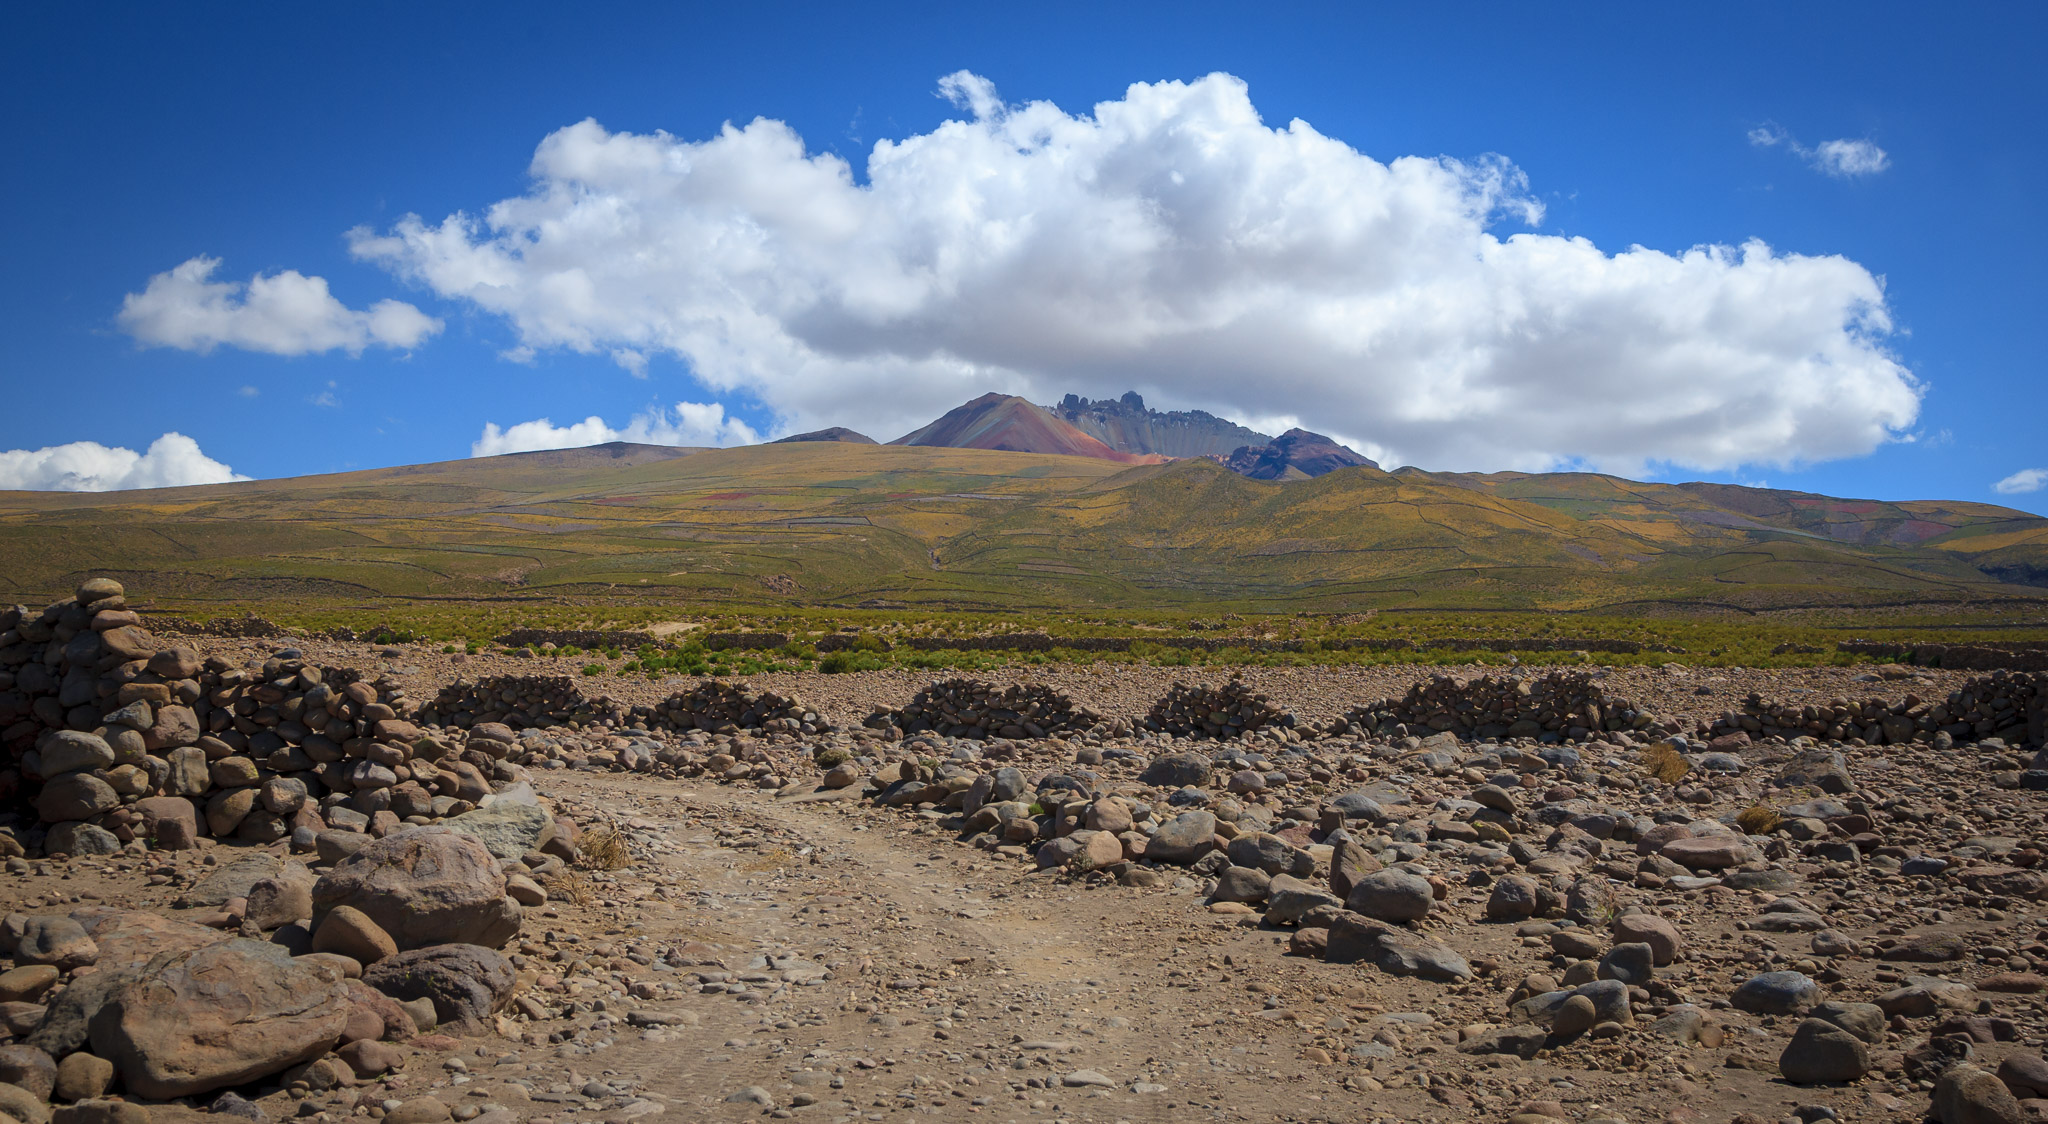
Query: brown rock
point(28, 1068)
point(101, 1112)
point(372, 1059)
point(1710, 852)
point(424, 886)
point(275, 902)
point(419, 1110)
point(1968, 1095)
point(75, 796)
point(169, 823)
point(222, 1015)
point(395, 1022)
point(82, 1077)
point(27, 984)
point(351, 933)
point(1650, 929)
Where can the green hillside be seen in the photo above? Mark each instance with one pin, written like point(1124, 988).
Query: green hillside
point(938, 528)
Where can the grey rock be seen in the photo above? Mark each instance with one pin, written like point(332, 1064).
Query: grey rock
point(1176, 770)
point(1864, 1020)
point(507, 828)
point(1392, 895)
point(1822, 1053)
point(1183, 839)
point(1290, 899)
point(81, 839)
point(1629, 963)
point(1241, 884)
point(1776, 993)
point(70, 751)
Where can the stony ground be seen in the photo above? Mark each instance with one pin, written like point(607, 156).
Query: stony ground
point(1316, 694)
point(801, 952)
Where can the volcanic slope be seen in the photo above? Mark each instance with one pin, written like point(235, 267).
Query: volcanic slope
point(1011, 424)
point(839, 523)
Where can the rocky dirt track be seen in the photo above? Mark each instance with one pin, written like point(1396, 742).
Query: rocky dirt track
point(865, 924)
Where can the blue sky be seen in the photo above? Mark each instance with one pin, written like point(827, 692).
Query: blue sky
point(1434, 312)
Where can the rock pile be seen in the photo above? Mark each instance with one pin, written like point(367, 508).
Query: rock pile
point(2007, 706)
point(970, 708)
point(120, 742)
point(1230, 711)
point(722, 708)
point(518, 701)
point(1561, 705)
point(415, 868)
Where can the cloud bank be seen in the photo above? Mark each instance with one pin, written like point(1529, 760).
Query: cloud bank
point(2022, 482)
point(171, 461)
point(689, 423)
point(1169, 242)
point(1842, 158)
point(284, 314)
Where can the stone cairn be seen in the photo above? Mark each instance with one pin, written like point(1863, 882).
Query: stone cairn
point(723, 708)
point(970, 708)
point(412, 853)
point(2004, 705)
point(1230, 711)
point(518, 701)
point(1569, 705)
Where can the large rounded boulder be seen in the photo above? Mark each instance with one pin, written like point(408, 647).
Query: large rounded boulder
point(424, 886)
point(223, 1015)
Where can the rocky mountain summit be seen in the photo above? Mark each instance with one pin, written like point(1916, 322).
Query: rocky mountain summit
point(1127, 425)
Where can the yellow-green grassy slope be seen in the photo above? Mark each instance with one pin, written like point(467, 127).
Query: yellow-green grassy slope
point(961, 528)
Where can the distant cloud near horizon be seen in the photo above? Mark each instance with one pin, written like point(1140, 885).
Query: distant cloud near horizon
point(2023, 482)
point(1172, 243)
point(690, 423)
point(286, 313)
point(172, 461)
point(1842, 158)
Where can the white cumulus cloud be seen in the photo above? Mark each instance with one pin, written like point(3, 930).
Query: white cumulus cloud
point(688, 423)
point(1842, 158)
point(286, 313)
point(2022, 482)
point(172, 461)
point(1169, 242)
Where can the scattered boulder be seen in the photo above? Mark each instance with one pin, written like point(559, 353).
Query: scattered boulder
point(1968, 1095)
point(219, 1016)
point(467, 983)
point(1822, 1053)
point(424, 886)
point(1392, 895)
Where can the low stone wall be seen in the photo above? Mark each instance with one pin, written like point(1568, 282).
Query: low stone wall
point(1986, 655)
point(1230, 711)
point(1567, 704)
point(970, 708)
point(587, 639)
point(2012, 706)
point(722, 708)
point(518, 701)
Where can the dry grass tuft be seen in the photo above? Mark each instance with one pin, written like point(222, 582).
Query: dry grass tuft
point(1665, 763)
point(568, 886)
point(604, 848)
point(1758, 819)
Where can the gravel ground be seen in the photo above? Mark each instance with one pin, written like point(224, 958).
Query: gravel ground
point(1316, 694)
